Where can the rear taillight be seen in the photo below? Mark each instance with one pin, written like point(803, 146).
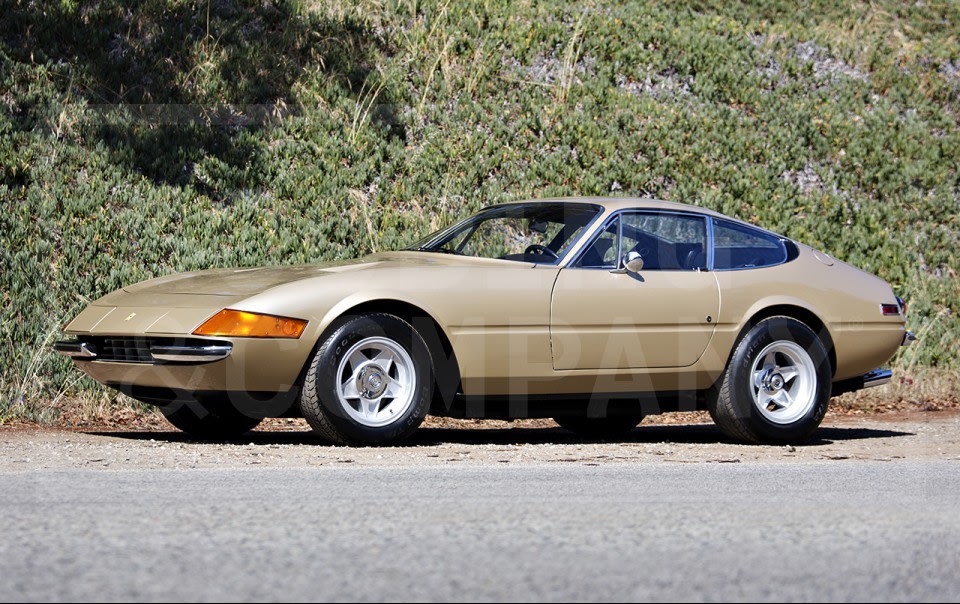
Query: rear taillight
point(890, 310)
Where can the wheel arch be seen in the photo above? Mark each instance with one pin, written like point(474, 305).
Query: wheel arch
point(444, 359)
point(800, 313)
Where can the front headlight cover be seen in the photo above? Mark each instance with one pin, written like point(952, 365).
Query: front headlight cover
point(243, 324)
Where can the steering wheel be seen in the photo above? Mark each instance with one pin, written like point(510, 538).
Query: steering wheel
point(536, 248)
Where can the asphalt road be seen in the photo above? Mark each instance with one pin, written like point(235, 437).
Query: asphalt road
point(820, 530)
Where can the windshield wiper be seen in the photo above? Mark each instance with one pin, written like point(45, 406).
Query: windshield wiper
point(440, 250)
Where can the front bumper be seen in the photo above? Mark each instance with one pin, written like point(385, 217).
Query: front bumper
point(146, 340)
point(228, 364)
point(144, 350)
point(75, 349)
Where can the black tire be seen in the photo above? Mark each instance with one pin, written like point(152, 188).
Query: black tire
point(320, 400)
point(599, 427)
point(733, 403)
point(207, 421)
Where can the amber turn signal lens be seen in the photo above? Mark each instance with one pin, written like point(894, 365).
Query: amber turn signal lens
point(240, 324)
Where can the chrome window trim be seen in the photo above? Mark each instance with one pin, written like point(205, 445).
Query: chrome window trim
point(618, 260)
point(617, 214)
point(596, 235)
point(783, 243)
point(583, 233)
point(710, 243)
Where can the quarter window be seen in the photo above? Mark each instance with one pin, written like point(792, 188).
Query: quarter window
point(736, 246)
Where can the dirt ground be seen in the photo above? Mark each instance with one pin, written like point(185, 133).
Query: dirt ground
point(671, 438)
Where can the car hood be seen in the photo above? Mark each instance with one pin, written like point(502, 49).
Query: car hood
point(240, 282)
point(176, 304)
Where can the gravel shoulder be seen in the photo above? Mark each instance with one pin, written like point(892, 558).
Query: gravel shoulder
point(484, 511)
point(883, 437)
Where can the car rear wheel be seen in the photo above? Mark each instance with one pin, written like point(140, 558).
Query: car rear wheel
point(599, 427)
point(208, 421)
point(776, 387)
point(370, 382)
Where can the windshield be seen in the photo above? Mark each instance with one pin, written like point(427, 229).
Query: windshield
point(525, 232)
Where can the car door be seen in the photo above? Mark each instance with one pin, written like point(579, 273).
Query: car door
point(662, 316)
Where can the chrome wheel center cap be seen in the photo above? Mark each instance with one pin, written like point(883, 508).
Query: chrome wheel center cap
point(371, 382)
point(772, 382)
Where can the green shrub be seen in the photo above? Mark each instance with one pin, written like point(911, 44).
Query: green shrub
point(189, 134)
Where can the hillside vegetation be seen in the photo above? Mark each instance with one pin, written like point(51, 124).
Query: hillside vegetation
point(160, 136)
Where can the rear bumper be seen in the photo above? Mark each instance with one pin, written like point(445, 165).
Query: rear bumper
point(871, 379)
point(877, 377)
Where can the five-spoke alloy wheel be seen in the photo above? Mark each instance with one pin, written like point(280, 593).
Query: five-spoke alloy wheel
point(369, 382)
point(376, 381)
point(776, 386)
point(783, 382)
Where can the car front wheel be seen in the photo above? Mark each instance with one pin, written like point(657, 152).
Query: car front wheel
point(370, 382)
point(776, 387)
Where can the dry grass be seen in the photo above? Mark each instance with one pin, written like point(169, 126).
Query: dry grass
point(361, 113)
point(919, 389)
point(568, 70)
point(104, 412)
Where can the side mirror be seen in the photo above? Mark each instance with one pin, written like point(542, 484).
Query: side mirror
point(632, 263)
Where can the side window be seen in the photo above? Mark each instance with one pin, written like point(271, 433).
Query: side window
point(666, 242)
point(736, 246)
point(602, 253)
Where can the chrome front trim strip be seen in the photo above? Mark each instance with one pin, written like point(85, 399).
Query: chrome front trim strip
point(160, 352)
point(190, 354)
point(75, 349)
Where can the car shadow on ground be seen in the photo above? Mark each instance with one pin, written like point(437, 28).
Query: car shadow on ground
point(428, 437)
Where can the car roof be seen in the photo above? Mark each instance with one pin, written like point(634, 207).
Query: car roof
point(621, 203)
point(612, 204)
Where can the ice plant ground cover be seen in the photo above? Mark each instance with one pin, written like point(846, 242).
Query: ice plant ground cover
point(193, 134)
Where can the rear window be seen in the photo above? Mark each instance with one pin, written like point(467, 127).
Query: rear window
point(736, 246)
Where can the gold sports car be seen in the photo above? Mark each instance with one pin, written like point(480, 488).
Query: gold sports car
point(594, 312)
